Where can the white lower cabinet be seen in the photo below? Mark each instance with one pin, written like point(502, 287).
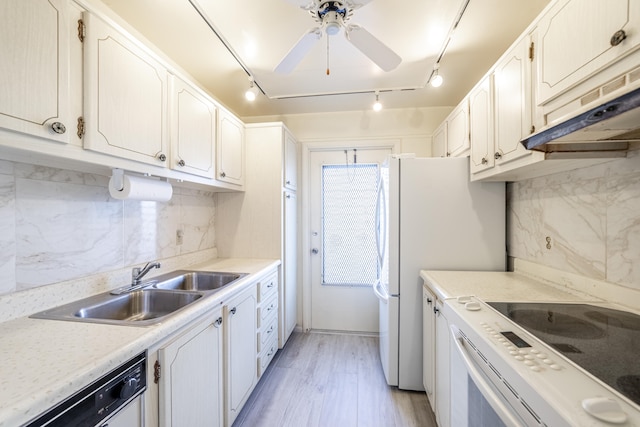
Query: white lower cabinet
point(442, 367)
point(190, 376)
point(240, 338)
point(435, 362)
point(428, 345)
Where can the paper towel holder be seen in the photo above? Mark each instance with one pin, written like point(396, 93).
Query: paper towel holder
point(124, 187)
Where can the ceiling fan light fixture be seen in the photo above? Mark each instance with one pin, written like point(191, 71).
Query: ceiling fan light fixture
point(377, 106)
point(332, 23)
point(252, 93)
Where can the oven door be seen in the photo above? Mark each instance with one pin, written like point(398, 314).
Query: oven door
point(475, 399)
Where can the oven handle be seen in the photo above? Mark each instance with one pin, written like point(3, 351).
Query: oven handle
point(493, 398)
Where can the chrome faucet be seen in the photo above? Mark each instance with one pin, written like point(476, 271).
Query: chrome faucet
point(137, 273)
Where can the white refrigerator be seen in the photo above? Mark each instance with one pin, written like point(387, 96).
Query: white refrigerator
point(429, 216)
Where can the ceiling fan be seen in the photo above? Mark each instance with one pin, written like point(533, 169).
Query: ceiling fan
point(332, 16)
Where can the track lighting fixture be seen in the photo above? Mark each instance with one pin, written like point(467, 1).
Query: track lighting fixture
point(436, 78)
point(251, 93)
point(377, 106)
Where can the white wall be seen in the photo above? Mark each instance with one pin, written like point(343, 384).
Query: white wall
point(57, 225)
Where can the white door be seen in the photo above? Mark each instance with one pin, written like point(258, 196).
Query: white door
point(343, 193)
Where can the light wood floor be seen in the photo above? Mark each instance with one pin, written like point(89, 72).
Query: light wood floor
point(327, 380)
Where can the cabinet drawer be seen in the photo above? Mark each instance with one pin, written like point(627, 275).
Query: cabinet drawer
point(267, 286)
point(267, 309)
point(266, 333)
point(267, 355)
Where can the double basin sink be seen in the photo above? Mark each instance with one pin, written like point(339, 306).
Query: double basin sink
point(148, 303)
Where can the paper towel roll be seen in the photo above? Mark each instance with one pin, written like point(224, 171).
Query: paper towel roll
point(139, 188)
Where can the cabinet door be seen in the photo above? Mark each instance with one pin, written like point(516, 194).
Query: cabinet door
point(576, 41)
point(242, 352)
point(125, 96)
point(458, 130)
point(481, 127)
point(191, 377)
point(230, 153)
point(193, 130)
point(289, 264)
point(290, 162)
point(35, 68)
point(442, 366)
point(428, 344)
point(439, 143)
point(512, 103)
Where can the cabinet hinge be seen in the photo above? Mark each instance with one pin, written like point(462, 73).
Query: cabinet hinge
point(156, 372)
point(81, 30)
point(80, 132)
point(531, 51)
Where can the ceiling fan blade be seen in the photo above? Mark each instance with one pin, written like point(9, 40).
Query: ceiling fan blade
point(373, 48)
point(297, 52)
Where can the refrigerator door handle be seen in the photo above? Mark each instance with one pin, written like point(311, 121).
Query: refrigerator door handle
point(381, 208)
point(380, 292)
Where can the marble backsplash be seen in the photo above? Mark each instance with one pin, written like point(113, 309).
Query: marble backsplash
point(590, 216)
point(57, 225)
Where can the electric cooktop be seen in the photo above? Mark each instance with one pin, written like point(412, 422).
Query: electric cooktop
point(603, 341)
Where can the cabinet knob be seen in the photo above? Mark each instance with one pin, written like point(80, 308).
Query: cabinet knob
point(58, 128)
point(497, 155)
point(288, 182)
point(232, 311)
point(181, 163)
point(222, 174)
point(162, 157)
point(218, 322)
point(288, 196)
point(429, 300)
point(314, 251)
point(436, 310)
point(618, 37)
point(484, 161)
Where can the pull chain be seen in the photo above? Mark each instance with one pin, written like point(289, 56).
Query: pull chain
point(328, 70)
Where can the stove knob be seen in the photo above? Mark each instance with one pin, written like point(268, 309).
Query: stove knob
point(472, 306)
point(128, 388)
point(604, 409)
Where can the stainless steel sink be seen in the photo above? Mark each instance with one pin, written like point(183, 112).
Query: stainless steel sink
point(205, 281)
point(146, 303)
point(140, 308)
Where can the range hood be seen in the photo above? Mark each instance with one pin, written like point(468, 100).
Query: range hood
point(605, 131)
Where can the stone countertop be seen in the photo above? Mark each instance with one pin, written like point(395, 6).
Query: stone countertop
point(498, 286)
point(45, 361)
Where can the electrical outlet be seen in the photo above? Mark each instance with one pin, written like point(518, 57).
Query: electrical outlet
point(179, 237)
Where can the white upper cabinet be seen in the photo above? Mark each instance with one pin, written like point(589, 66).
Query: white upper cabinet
point(126, 96)
point(580, 37)
point(35, 68)
point(481, 126)
point(439, 141)
point(458, 130)
point(290, 161)
point(451, 138)
point(512, 102)
point(230, 152)
point(193, 129)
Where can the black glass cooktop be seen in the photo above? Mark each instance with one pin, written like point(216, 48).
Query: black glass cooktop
point(603, 341)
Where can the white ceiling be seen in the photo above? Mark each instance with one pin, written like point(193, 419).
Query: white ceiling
point(261, 32)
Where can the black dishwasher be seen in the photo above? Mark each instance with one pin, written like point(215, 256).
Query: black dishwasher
point(100, 399)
